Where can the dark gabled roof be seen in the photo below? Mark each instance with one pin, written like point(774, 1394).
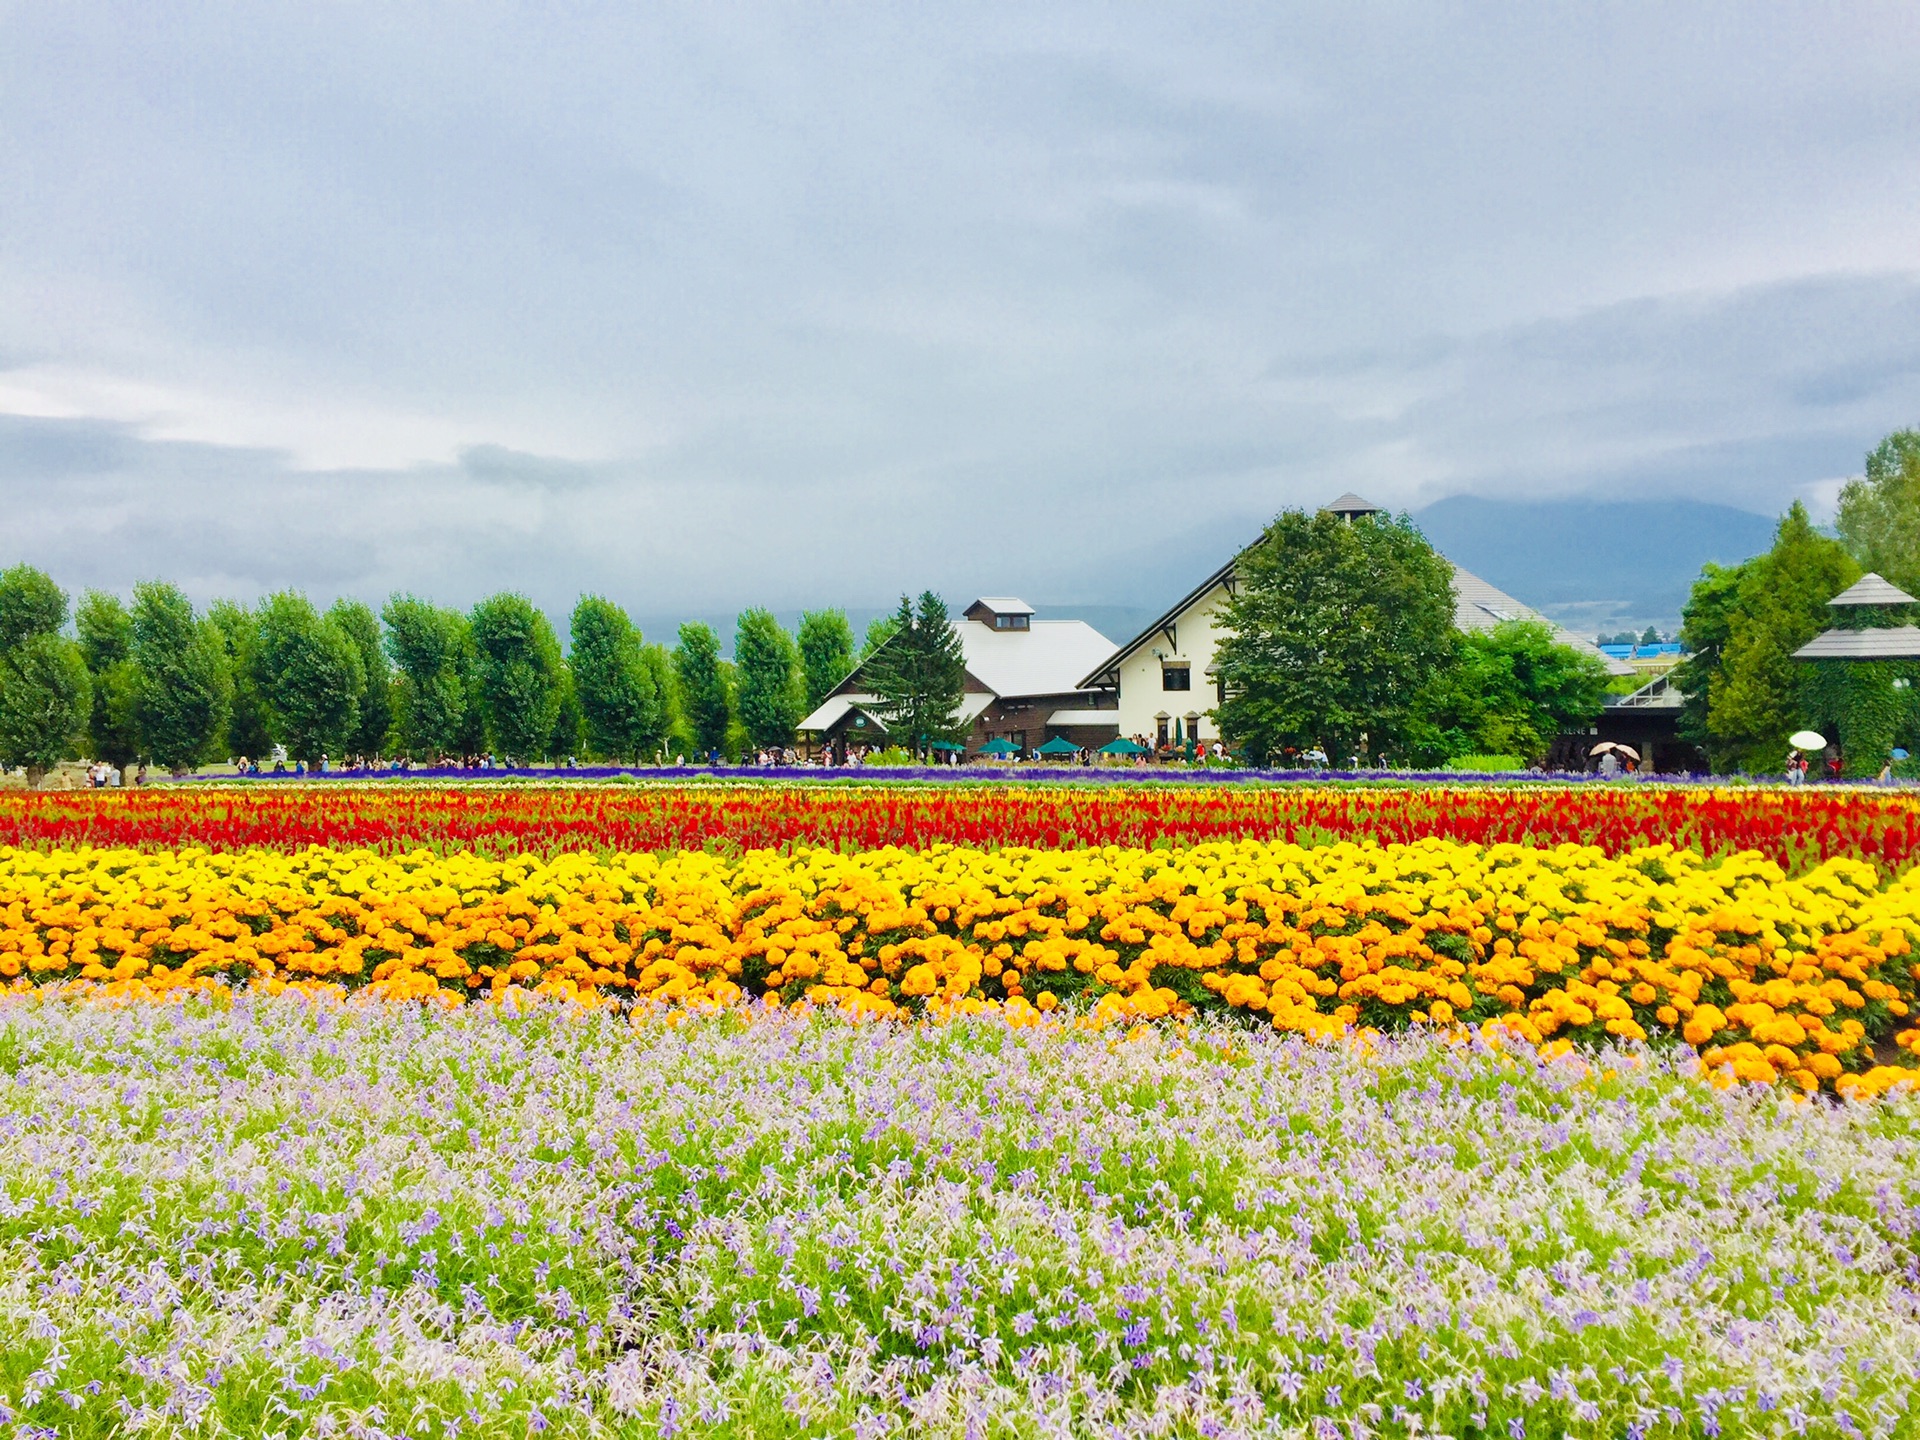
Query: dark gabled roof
point(1870, 589)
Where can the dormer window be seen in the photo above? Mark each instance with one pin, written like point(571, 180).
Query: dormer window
point(1176, 676)
point(1001, 612)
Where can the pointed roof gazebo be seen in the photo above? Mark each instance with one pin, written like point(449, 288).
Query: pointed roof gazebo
point(1350, 507)
point(1859, 641)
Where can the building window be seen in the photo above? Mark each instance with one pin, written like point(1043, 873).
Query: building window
point(1176, 677)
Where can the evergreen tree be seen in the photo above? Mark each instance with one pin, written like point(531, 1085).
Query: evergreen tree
point(106, 643)
point(239, 629)
point(185, 687)
point(772, 696)
point(703, 687)
point(309, 674)
point(360, 625)
point(918, 677)
point(1879, 519)
point(826, 653)
point(879, 630)
point(518, 665)
point(1755, 702)
point(428, 647)
point(1336, 630)
point(1705, 624)
point(620, 701)
point(46, 697)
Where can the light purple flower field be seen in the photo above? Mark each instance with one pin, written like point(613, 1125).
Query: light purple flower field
point(283, 1220)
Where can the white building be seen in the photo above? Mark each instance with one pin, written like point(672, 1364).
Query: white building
point(1022, 683)
point(1163, 682)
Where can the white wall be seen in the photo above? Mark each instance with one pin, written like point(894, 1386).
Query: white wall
point(1142, 699)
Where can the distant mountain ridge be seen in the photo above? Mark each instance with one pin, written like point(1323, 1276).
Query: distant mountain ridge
point(1594, 564)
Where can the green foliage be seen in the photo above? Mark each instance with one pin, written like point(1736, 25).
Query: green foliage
point(620, 698)
point(247, 732)
point(309, 673)
point(672, 734)
point(1485, 764)
point(519, 666)
point(30, 604)
point(1879, 519)
point(772, 694)
point(1755, 701)
point(1867, 707)
point(1507, 691)
point(106, 643)
point(1706, 625)
point(826, 653)
point(704, 695)
point(184, 686)
point(918, 676)
point(569, 736)
point(371, 732)
point(879, 630)
point(429, 648)
point(45, 698)
point(1335, 631)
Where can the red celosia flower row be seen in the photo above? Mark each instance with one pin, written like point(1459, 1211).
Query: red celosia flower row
point(1797, 828)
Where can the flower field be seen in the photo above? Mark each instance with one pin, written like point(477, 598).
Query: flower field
point(1772, 978)
point(283, 1216)
point(1797, 828)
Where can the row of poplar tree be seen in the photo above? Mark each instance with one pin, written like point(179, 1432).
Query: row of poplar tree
point(161, 682)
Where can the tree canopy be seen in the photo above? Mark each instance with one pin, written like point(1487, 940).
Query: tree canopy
point(46, 697)
point(1508, 691)
point(826, 653)
point(185, 689)
point(519, 664)
point(1879, 519)
point(772, 689)
point(430, 649)
point(704, 693)
point(374, 700)
point(309, 674)
point(106, 644)
point(1335, 629)
point(622, 710)
point(918, 676)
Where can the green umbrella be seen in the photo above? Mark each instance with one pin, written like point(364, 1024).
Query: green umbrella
point(1122, 746)
point(999, 747)
point(1058, 746)
point(945, 745)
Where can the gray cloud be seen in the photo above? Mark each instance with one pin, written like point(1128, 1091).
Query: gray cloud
point(709, 306)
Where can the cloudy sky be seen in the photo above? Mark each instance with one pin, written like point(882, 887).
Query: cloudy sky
point(712, 305)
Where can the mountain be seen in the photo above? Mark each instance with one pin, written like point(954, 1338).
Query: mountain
point(1594, 565)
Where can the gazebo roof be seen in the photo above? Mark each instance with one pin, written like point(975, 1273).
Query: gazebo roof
point(1870, 589)
point(1894, 642)
point(1351, 504)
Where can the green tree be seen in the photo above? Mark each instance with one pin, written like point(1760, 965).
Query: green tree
point(1879, 519)
point(1756, 700)
point(30, 604)
point(703, 687)
point(620, 699)
point(239, 628)
point(879, 630)
point(46, 697)
point(519, 666)
point(569, 722)
point(1705, 626)
point(428, 647)
point(309, 673)
point(185, 687)
point(672, 732)
point(1335, 631)
point(106, 643)
point(772, 693)
point(372, 730)
point(918, 676)
point(826, 653)
point(1511, 690)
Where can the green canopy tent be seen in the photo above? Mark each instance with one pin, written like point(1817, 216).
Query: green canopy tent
point(999, 747)
point(1058, 746)
point(1122, 746)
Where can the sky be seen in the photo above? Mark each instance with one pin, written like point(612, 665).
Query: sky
point(714, 305)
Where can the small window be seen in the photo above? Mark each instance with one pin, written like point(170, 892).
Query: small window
point(1002, 622)
point(1176, 677)
point(1020, 622)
